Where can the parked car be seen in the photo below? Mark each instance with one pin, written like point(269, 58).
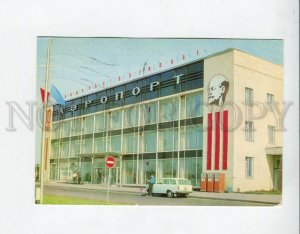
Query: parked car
point(173, 187)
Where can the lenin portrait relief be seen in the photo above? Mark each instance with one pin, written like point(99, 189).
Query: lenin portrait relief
point(217, 90)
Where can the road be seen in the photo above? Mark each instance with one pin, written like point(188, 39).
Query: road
point(132, 198)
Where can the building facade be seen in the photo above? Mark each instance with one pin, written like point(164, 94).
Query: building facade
point(181, 122)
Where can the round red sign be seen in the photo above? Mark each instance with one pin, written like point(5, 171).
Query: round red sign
point(110, 162)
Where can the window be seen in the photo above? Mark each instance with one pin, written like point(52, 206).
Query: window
point(100, 144)
point(192, 139)
point(88, 124)
point(75, 148)
point(168, 110)
point(130, 143)
point(64, 153)
point(87, 145)
point(100, 123)
point(249, 96)
point(168, 139)
point(249, 131)
point(194, 105)
point(270, 98)
point(54, 150)
point(114, 144)
point(249, 166)
point(271, 134)
point(149, 142)
point(66, 129)
point(56, 130)
point(131, 117)
point(115, 119)
point(76, 127)
point(148, 115)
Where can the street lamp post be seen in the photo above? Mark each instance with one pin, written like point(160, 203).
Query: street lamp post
point(44, 125)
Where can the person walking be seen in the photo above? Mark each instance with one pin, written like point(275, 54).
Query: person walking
point(151, 183)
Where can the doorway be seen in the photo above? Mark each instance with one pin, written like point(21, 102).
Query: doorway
point(101, 176)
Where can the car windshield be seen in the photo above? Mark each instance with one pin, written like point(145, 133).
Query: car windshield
point(183, 182)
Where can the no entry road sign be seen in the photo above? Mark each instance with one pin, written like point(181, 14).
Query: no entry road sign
point(110, 162)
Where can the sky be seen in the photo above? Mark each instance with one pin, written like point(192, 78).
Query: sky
point(77, 63)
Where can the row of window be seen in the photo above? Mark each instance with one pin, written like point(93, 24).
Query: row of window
point(249, 98)
point(170, 82)
point(249, 132)
point(144, 142)
point(139, 115)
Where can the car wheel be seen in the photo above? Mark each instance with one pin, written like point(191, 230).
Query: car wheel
point(170, 194)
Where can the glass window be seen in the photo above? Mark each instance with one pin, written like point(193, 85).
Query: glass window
point(249, 96)
point(100, 123)
point(64, 150)
point(66, 128)
point(114, 144)
point(129, 171)
point(56, 130)
point(75, 148)
point(100, 145)
point(249, 130)
point(194, 105)
point(249, 166)
point(270, 101)
point(190, 170)
point(167, 168)
point(87, 145)
point(54, 150)
point(148, 142)
point(193, 137)
point(168, 110)
point(147, 167)
point(130, 143)
point(271, 133)
point(131, 117)
point(76, 127)
point(168, 139)
point(64, 174)
point(88, 124)
point(148, 113)
point(115, 119)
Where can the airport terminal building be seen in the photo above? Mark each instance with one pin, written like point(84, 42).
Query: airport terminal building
point(195, 118)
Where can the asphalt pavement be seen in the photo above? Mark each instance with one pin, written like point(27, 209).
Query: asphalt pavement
point(258, 198)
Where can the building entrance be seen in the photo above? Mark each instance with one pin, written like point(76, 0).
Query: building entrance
point(100, 175)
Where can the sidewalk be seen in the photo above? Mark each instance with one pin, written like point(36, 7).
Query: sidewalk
point(260, 198)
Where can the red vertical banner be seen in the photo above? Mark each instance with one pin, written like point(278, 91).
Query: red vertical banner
point(149, 68)
point(160, 65)
point(209, 140)
point(217, 140)
point(129, 75)
point(172, 61)
point(225, 139)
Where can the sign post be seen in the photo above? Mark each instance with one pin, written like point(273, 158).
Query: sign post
point(110, 163)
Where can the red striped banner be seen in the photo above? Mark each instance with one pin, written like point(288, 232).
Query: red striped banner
point(209, 141)
point(225, 139)
point(217, 140)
